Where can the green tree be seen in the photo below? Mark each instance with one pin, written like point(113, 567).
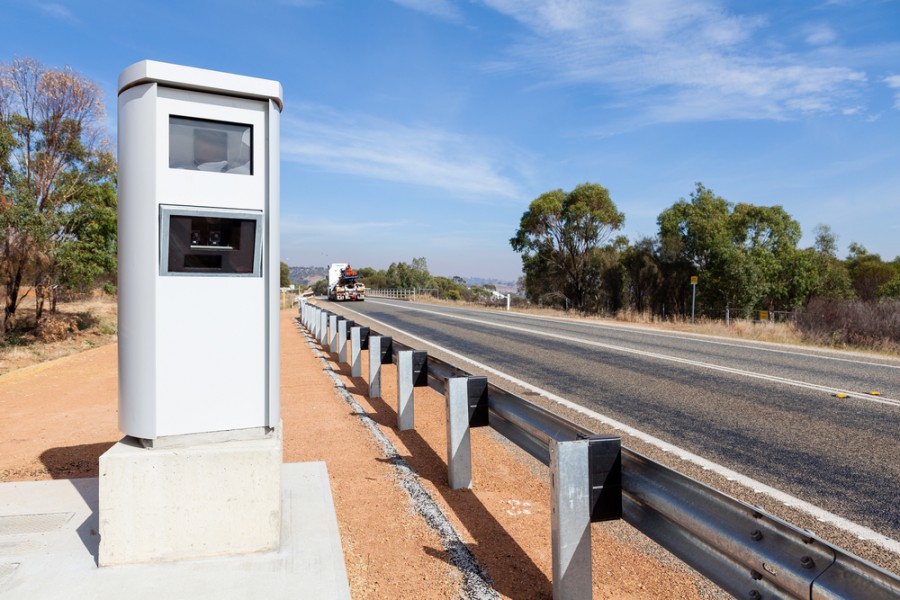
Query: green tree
point(558, 237)
point(320, 288)
point(643, 272)
point(745, 255)
point(868, 273)
point(53, 160)
point(409, 276)
point(285, 279)
point(832, 279)
point(89, 254)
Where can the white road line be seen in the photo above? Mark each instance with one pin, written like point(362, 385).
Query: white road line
point(710, 339)
point(860, 531)
point(676, 359)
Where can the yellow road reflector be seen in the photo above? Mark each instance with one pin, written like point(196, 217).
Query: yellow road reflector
point(840, 395)
point(874, 393)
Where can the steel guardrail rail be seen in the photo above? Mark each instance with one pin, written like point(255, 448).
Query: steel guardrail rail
point(746, 551)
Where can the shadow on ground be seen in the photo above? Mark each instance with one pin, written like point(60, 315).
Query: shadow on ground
point(513, 572)
point(71, 462)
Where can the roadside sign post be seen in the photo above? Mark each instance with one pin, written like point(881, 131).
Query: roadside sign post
point(694, 279)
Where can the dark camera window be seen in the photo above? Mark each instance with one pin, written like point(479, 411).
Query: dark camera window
point(202, 145)
point(207, 244)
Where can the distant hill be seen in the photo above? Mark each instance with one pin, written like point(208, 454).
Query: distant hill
point(304, 276)
point(505, 287)
point(307, 276)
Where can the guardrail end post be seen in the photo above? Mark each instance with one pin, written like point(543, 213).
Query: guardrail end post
point(405, 408)
point(570, 519)
point(459, 447)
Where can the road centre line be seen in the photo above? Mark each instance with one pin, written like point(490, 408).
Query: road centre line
point(676, 359)
point(703, 338)
point(860, 531)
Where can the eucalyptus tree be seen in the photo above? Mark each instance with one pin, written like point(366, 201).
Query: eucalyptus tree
point(54, 166)
point(562, 238)
point(745, 255)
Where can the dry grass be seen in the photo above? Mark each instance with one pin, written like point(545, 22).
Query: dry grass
point(77, 326)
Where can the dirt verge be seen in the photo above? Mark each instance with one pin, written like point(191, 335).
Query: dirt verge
point(59, 417)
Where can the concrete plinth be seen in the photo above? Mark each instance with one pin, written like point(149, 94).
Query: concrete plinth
point(190, 500)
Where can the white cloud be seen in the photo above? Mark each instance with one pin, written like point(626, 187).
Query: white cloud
point(893, 82)
point(57, 11)
point(819, 35)
point(444, 9)
point(367, 147)
point(328, 228)
point(677, 58)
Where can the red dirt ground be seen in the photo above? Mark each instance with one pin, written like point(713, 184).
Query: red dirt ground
point(59, 416)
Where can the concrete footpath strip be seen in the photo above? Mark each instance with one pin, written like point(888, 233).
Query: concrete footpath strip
point(49, 544)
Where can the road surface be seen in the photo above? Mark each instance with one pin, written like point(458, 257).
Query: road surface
point(769, 412)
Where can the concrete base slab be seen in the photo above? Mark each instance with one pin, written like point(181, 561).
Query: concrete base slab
point(49, 546)
point(194, 500)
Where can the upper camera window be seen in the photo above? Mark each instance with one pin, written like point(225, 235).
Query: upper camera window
point(214, 146)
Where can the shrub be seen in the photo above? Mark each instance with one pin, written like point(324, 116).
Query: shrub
point(56, 327)
point(873, 325)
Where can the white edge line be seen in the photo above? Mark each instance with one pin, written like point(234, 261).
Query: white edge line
point(860, 531)
point(826, 353)
point(676, 359)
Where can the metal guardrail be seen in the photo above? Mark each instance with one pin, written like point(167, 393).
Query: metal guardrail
point(403, 294)
point(744, 550)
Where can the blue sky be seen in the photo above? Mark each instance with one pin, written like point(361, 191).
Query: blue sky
point(425, 127)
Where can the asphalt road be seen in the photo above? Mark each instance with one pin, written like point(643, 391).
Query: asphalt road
point(766, 411)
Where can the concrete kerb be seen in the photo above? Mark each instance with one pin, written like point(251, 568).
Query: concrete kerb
point(476, 582)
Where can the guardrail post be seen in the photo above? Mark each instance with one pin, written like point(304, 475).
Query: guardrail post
point(375, 366)
point(459, 448)
point(323, 328)
point(342, 340)
point(381, 352)
point(405, 409)
point(332, 333)
point(570, 519)
point(314, 319)
point(355, 351)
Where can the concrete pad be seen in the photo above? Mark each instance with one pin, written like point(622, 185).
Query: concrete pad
point(187, 501)
point(49, 546)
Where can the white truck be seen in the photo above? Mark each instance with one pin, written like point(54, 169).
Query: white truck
point(344, 283)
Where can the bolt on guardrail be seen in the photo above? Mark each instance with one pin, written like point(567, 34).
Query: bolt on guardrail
point(744, 550)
